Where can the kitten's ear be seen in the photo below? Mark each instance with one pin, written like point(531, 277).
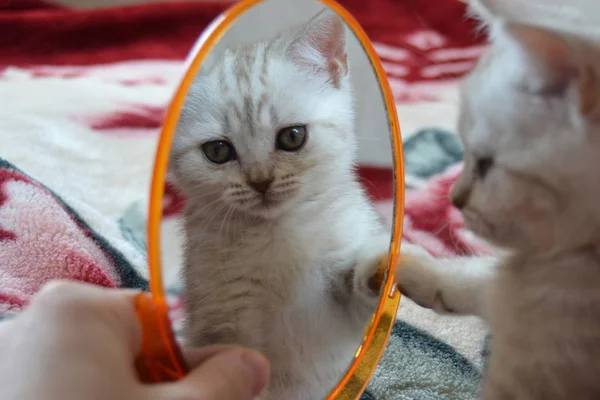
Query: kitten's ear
point(543, 58)
point(321, 46)
point(482, 12)
point(551, 67)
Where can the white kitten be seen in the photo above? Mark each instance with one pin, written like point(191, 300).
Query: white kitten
point(530, 125)
point(282, 244)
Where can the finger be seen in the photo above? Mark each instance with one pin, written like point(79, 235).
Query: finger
point(236, 374)
point(79, 303)
point(71, 286)
point(194, 357)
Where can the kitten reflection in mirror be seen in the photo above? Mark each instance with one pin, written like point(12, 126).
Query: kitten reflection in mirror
point(281, 242)
point(530, 125)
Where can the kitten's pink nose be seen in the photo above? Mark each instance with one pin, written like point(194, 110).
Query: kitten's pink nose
point(261, 186)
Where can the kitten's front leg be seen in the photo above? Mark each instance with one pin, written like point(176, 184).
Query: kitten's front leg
point(368, 274)
point(371, 266)
point(453, 285)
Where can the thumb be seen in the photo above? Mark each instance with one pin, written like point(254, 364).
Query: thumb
point(236, 374)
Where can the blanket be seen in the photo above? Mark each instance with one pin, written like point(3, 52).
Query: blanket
point(84, 93)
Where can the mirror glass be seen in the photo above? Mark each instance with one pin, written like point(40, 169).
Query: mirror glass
point(272, 234)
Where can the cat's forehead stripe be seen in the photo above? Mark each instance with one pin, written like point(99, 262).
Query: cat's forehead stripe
point(261, 104)
point(246, 73)
point(236, 110)
point(223, 81)
point(273, 115)
point(226, 124)
point(250, 120)
point(242, 72)
point(265, 63)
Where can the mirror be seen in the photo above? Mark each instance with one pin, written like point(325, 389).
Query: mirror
point(274, 147)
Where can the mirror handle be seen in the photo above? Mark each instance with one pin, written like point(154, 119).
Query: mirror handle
point(160, 359)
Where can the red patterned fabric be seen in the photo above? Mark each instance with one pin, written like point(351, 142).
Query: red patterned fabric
point(41, 240)
point(40, 33)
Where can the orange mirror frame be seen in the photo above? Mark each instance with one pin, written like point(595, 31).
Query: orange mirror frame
point(161, 358)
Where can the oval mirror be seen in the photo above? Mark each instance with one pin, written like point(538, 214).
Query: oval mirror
point(268, 156)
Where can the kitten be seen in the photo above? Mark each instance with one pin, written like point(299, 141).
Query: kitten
point(281, 242)
point(530, 125)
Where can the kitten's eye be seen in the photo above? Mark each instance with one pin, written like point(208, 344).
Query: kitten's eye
point(483, 166)
point(218, 151)
point(291, 138)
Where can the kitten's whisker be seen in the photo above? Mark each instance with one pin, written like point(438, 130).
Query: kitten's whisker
point(218, 239)
point(225, 236)
point(203, 195)
point(372, 185)
point(228, 227)
point(286, 183)
point(240, 193)
point(212, 217)
point(225, 219)
point(202, 186)
point(458, 243)
point(235, 220)
point(242, 198)
point(209, 204)
point(444, 226)
point(282, 193)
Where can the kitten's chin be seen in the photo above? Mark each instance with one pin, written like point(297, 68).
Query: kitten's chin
point(267, 209)
point(478, 225)
point(502, 236)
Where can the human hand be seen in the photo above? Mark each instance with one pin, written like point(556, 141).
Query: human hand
point(77, 341)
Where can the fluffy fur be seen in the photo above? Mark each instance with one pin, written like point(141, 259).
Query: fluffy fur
point(530, 125)
point(286, 272)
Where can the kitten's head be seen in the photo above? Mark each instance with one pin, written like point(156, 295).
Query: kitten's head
point(529, 123)
point(270, 124)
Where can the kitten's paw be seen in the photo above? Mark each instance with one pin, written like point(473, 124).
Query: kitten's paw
point(419, 279)
point(369, 275)
point(371, 266)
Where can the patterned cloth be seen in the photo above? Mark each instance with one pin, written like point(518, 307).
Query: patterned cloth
point(78, 131)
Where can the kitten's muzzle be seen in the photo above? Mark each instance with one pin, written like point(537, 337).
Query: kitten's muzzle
point(460, 193)
point(261, 186)
point(459, 200)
